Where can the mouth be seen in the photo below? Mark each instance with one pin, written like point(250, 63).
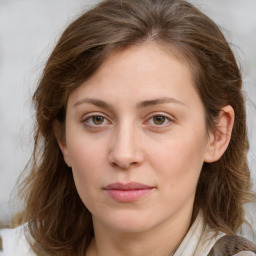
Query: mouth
point(128, 192)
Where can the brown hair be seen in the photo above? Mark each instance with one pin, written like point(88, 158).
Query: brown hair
point(58, 221)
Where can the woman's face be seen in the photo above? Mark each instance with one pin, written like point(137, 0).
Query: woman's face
point(136, 139)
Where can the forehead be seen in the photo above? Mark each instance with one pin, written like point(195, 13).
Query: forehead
point(150, 51)
point(143, 71)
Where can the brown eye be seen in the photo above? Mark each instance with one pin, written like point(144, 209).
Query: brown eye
point(159, 120)
point(98, 120)
point(95, 121)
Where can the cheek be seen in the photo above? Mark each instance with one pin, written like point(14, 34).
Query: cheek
point(84, 152)
point(86, 176)
point(179, 160)
point(86, 159)
point(178, 173)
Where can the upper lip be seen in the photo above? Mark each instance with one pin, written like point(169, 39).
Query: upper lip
point(127, 186)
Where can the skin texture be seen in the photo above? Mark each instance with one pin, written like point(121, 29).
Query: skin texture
point(140, 119)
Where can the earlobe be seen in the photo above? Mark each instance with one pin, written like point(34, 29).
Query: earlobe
point(219, 139)
point(60, 137)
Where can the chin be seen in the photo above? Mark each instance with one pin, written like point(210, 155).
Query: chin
point(130, 227)
point(128, 222)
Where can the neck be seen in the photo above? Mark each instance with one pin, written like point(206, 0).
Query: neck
point(161, 240)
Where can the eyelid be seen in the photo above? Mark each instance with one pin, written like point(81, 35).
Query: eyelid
point(169, 117)
point(86, 117)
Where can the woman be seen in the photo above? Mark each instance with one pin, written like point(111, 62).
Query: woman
point(140, 144)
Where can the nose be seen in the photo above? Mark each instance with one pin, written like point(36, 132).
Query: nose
point(126, 147)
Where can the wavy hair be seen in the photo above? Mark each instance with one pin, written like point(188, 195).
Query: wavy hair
point(58, 222)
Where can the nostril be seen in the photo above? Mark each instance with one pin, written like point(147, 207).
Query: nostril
point(122, 161)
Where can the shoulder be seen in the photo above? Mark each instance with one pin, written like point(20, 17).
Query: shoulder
point(245, 253)
point(233, 245)
point(15, 243)
point(199, 239)
point(202, 240)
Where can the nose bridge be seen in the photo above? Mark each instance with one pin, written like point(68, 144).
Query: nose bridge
point(125, 149)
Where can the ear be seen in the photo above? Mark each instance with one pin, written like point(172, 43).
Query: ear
point(60, 137)
point(220, 137)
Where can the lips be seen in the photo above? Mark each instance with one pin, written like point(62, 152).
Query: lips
point(127, 192)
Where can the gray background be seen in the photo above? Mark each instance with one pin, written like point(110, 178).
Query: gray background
point(28, 32)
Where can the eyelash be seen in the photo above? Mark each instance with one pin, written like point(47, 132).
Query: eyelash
point(167, 120)
point(89, 122)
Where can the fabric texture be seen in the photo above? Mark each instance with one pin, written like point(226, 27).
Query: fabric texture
point(233, 245)
point(199, 240)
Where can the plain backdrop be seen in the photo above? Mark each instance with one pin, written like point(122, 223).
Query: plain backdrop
point(29, 30)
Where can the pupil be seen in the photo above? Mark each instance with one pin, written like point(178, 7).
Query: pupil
point(98, 119)
point(159, 119)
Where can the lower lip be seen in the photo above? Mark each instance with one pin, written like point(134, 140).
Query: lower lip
point(128, 195)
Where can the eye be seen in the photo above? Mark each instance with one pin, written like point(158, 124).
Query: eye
point(159, 120)
point(95, 120)
point(98, 120)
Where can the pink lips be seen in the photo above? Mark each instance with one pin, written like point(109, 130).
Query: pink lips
point(127, 192)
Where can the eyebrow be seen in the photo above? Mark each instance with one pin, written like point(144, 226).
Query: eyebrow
point(143, 104)
point(163, 100)
point(96, 102)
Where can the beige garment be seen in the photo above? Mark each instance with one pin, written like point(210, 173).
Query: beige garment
point(245, 253)
point(199, 240)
